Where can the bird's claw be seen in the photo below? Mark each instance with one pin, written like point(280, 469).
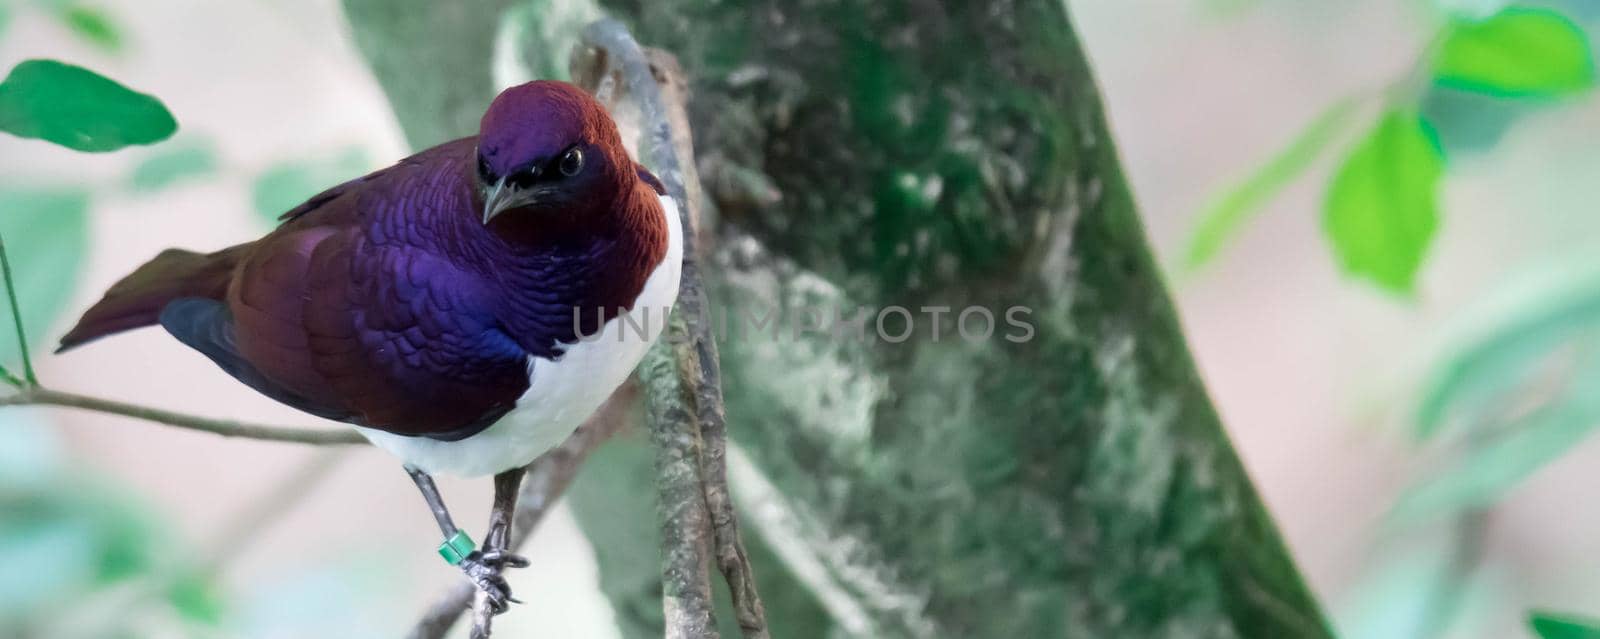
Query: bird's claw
point(483, 568)
point(504, 559)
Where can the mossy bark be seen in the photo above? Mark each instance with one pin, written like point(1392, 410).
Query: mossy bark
point(931, 154)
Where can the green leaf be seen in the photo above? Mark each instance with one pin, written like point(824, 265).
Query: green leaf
point(1529, 321)
point(196, 598)
point(46, 236)
point(1550, 625)
point(1520, 52)
point(1469, 122)
point(1400, 592)
point(93, 25)
point(286, 185)
point(1520, 391)
point(67, 538)
point(79, 109)
point(1223, 218)
point(1497, 459)
point(168, 165)
point(1491, 470)
point(49, 555)
point(1381, 210)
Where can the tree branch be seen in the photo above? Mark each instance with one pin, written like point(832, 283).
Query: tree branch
point(1071, 456)
point(688, 424)
point(685, 523)
point(39, 395)
point(705, 381)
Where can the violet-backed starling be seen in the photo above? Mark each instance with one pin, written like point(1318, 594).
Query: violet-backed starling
point(466, 309)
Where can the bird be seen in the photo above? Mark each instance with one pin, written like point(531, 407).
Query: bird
point(464, 309)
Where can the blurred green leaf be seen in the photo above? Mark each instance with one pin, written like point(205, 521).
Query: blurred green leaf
point(1497, 460)
point(196, 599)
point(1520, 52)
point(1488, 369)
point(1470, 122)
point(286, 185)
point(94, 25)
point(46, 236)
point(66, 539)
point(128, 538)
point(1416, 586)
point(1381, 210)
point(170, 164)
point(79, 109)
point(1228, 213)
point(1484, 475)
point(48, 555)
point(1550, 625)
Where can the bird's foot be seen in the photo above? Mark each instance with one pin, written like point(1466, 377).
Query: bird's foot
point(484, 569)
point(504, 559)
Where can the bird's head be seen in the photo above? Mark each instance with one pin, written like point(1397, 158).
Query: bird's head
point(547, 148)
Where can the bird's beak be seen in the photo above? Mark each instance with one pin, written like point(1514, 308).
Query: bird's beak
point(496, 198)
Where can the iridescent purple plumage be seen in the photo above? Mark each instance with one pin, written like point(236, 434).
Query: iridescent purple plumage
point(426, 301)
point(390, 303)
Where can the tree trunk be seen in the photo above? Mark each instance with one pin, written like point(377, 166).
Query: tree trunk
point(928, 154)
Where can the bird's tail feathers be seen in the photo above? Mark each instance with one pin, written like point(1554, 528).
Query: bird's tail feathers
point(137, 299)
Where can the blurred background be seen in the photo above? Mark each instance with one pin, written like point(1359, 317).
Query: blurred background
point(1420, 434)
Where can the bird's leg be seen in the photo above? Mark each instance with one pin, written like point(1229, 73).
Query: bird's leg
point(497, 545)
point(482, 567)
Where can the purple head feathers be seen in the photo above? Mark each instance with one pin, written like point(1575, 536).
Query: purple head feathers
point(534, 122)
point(548, 145)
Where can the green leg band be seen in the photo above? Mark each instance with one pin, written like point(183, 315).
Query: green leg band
point(456, 548)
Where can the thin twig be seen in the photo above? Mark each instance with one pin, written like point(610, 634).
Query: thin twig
point(16, 319)
point(38, 395)
point(8, 378)
point(548, 477)
point(687, 421)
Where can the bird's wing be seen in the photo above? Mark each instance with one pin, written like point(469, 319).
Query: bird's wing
point(207, 326)
point(137, 300)
point(329, 195)
point(350, 305)
point(317, 210)
point(409, 340)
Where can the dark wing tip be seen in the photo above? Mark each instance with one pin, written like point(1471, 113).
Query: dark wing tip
point(650, 178)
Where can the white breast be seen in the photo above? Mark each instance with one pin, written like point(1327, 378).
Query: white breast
point(562, 393)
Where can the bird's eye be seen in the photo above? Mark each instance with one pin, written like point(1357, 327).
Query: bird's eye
point(572, 163)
